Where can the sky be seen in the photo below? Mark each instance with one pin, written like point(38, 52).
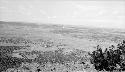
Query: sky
point(109, 14)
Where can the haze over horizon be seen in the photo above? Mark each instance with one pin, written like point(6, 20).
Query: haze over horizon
point(108, 14)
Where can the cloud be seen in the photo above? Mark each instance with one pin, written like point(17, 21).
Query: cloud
point(4, 1)
point(52, 17)
point(75, 14)
point(2, 7)
point(67, 12)
point(43, 12)
point(115, 12)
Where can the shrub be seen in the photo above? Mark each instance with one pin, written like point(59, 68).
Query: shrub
point(109, 60)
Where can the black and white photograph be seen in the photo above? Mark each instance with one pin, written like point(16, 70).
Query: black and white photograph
point(62, 35)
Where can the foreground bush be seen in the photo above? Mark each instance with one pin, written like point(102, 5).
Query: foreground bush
point(111, 59)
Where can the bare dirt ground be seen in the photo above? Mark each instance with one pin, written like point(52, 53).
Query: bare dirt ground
point(42, 41)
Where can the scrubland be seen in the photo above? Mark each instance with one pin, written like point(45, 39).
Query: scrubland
point(30, 47)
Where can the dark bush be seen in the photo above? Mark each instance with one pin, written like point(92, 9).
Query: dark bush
point(111, 59)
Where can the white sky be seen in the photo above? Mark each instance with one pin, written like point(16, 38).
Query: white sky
point(88, 13)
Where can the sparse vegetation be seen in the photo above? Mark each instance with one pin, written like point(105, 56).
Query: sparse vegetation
point(113, 58)
point(27, 48)
point(7, 61)
point(43, 58)
point(14, 40)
